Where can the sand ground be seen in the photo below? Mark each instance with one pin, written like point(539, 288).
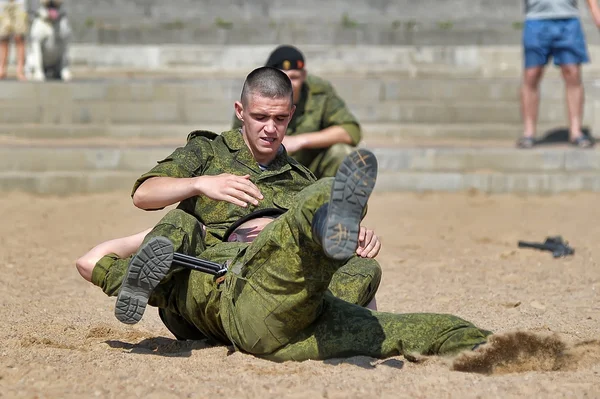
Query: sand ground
point(454, 253)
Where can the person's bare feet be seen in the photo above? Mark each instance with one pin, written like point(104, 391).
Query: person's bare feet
point(21, 76)
point(2, 74)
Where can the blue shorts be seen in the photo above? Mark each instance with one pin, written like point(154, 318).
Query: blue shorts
point(562, 39)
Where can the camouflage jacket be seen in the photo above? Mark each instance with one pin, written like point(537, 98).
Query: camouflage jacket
point(319, 107)
point(208, 153)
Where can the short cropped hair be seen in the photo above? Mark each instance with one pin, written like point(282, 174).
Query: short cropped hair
point(267, 82)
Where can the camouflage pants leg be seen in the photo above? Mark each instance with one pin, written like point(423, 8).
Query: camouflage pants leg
point(328, 161)
point(275, 303)
point(185, 232)
point(276, 287)
point(344, 330)
point(357, 280)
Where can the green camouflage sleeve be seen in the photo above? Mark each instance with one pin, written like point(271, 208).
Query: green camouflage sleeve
point(185, 161)
point(337, 114)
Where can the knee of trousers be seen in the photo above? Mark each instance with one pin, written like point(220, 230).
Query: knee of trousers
point(327, 164)
point(182, 220)
point(314, 195)
point(357, 281)
point(339, 151)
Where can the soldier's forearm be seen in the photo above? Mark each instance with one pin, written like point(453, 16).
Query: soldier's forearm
point(326, 137)
point(159, 192)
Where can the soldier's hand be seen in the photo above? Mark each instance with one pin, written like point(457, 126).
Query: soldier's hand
point(368, 243)
point(238, 190)
point(293, 143)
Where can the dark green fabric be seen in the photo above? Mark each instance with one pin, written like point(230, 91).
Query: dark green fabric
point(318, 108)
point(275, 302)
point(356, 281)
point(286, 313)
point(327, 162)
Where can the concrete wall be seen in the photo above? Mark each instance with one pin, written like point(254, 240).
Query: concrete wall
point(386, 22)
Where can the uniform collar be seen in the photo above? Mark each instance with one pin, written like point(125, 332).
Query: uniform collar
point(234, 141)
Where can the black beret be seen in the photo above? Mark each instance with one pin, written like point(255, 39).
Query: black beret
point(261, 213)
point(286, 58)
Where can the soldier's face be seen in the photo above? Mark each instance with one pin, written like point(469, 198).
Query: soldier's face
point(264, 123)
point(297, 76)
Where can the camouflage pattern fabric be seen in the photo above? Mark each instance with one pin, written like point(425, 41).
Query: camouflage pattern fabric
point(275, 302)
point(320, 107)
point(356, 281)
point(208, 153)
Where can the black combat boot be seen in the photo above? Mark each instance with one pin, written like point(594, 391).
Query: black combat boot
point(336, 224)
point(146, 270)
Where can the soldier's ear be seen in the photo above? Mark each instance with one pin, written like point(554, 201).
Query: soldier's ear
point(239, 110)
point(293, 110)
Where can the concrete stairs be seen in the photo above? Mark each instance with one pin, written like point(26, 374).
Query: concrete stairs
point(434, 126)
point(63, 166)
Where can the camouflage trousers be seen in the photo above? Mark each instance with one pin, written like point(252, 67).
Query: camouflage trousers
point(275, 303)
point(324, 162)
point(356, 281)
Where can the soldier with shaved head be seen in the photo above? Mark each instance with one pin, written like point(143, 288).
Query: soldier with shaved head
point(322, 130)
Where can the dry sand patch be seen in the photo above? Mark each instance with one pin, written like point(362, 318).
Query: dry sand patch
point(454, 253)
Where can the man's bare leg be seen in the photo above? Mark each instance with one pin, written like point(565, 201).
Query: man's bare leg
point(530, 99)
point(575, 98)
point(20, 50)
point(3, 57)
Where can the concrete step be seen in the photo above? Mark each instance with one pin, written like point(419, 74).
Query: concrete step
point(423, 60)
point(68, 183)
point(334, 21)
point(175, 134)
point(493, 167)
point(353, 87)
point(499, 156)
point(220, 112)
point(208, 100)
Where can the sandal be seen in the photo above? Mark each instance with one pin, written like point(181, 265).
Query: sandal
point(582, 141)
point(526, 142)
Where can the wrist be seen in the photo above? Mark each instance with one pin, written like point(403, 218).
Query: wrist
point(198, 185)
point(304, 141)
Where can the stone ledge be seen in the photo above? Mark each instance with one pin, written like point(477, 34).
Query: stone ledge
point(66, 183)
point(473, 159)
point(491, 183)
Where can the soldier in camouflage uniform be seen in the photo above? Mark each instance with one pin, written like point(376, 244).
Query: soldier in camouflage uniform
point(323, 131)
point(274, 302)
point(217, 179)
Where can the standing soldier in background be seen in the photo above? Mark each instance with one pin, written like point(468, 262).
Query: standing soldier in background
point(322, 131)
point(13, 23)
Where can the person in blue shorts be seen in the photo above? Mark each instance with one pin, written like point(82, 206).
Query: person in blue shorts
point(553, 29)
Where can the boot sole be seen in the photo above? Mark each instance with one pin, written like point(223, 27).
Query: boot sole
point(145, 272)
point(352, 187)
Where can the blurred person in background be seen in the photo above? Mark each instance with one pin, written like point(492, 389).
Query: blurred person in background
point(553, 29)
point(13, 24)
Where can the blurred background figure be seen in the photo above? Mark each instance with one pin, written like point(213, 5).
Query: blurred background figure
point(48, 56)
point(553, 29)
point(13, 24)
point(323, 130)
